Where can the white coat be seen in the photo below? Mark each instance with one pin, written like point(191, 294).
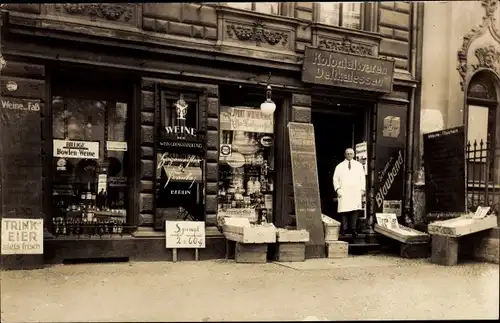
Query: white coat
point(350, 183)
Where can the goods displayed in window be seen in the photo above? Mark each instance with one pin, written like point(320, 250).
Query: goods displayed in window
point(89, 188)
point(246, 164)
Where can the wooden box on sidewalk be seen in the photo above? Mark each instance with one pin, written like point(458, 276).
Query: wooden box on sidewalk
point(250, 253)
point(291, 245)
point(331, 227)
point(337, 249)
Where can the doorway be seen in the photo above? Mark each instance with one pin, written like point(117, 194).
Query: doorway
point(334, 130)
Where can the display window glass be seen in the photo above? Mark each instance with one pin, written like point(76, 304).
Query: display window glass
point(246, 164)
point(90, 156)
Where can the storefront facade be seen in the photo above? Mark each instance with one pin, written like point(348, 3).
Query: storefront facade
point(461, 87)
point(150, 112)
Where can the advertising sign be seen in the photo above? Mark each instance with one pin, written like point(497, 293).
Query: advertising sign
point(76, 149)
point(22, 236)
point(246, 119)
point(185, 234)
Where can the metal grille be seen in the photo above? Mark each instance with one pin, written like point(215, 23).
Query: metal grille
point(483, 176)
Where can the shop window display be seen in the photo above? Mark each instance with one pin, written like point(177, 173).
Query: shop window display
point(246, 169)
point(89, 187)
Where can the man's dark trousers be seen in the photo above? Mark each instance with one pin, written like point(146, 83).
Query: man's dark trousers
point(349, 221)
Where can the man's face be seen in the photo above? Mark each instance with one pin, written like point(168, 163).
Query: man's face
point(349, 154)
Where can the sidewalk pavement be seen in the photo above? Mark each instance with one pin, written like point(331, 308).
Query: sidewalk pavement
point(354, 288)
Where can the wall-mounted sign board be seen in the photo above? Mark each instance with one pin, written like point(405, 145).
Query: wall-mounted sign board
point(22, 236)
point(76, 149)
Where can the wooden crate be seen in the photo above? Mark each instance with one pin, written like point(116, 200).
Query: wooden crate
point(414, 250)
point(290, 251)
point(444, 250)
point(462, 226)
point(285, 235)
point(331, 227)
point(250, 233)
point(337, 249)
point(251, 253)
point(403, 234)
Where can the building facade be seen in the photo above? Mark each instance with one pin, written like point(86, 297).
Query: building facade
point(461, 87)
point(120, 116)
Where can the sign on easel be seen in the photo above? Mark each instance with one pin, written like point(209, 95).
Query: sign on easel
point(186, 235)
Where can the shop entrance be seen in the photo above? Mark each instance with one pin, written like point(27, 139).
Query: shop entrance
point(336, 127)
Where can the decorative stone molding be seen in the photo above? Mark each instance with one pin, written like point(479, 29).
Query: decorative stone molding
point(487, 56)
point(257, 33)
point(108, 11)
point(345, 45)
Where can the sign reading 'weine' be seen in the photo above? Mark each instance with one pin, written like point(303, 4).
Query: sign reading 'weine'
point(444, 164)
point(305, 181)
point(346, 70)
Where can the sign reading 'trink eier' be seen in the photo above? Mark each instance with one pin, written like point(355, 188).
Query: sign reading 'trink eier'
point(22, 236)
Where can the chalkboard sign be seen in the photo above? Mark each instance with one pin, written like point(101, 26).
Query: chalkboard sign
point(305, 181)
point(20, 158)
point(444, 164)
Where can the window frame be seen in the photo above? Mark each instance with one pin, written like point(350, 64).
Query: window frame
point(281, 8)
point(121, 90)
point(363, 17)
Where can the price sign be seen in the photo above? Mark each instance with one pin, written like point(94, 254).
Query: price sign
point(185, 234)
point(387, 220)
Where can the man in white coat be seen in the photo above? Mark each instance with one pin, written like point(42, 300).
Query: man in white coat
point(349, 183)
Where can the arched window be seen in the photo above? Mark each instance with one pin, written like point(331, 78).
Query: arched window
point(483, 151)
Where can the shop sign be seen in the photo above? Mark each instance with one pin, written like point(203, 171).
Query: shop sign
point(392, 206)
point(387, 220)
point(166, 143)
point(22, 236)
point(266, 141)
point(225, 150)
point(246, 119)
point(116, 145)
point(11, 86)
point(236, 160)
point(392, 126)
point(185, 234)
point(76, 149)
point(362, 155)
point(244, 213)
point(20, 105)
point(391, 173)
point(117, 181)
point(347, 70)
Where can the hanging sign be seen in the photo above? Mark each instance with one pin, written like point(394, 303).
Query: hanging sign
point(116, 145)
point(22, 236)
point(185, 234)
point(76, 149)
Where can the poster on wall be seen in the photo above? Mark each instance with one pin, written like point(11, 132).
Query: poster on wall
point(76, 149)
point(392, 206)
point(389, 179)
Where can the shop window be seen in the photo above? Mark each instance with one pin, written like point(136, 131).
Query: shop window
point(246, 169)
point(340, 14)
point(271, 8)
point(90, 152)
